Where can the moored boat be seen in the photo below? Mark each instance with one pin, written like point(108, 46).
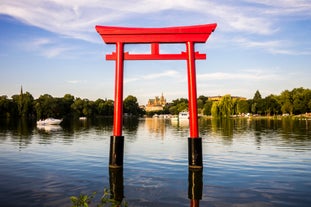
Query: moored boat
point(49, 121)
point(183, 115)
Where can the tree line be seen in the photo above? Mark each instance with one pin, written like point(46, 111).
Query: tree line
point(24, 105)
point(296, 101)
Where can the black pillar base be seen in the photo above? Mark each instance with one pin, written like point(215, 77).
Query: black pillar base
point(116, 151)
point(195, 152)
point(195, 183)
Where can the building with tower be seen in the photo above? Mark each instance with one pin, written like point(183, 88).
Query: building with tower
point(156, 104)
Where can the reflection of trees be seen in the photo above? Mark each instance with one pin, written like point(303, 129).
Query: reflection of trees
point(204, 127)
point(21, 130)
point(257, 126)
point(71, 126)
point(296, 130)
point(130, 124)
point(291, 131)
point(224, 127)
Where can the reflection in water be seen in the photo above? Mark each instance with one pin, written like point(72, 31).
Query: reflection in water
point(248, 162)
point(19, 130)
point(180, 123)
point(130, 124)
point(19, 127)
point(156, 126)
point(116, 184)
point(195, 186)
point(49, 128)
point(224, 127)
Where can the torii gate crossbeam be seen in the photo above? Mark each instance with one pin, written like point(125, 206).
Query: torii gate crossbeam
point(189, 35)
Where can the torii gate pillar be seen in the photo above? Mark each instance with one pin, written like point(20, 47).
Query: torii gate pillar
point(155, 36)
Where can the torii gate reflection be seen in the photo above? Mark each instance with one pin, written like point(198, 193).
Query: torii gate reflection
point(189, 35)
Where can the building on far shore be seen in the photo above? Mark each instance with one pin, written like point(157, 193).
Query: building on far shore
point(156, 104)
point(217, 98)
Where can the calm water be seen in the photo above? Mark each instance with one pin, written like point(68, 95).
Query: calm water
point(246, 163)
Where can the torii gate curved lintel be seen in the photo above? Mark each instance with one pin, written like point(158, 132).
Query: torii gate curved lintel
point(155, 36)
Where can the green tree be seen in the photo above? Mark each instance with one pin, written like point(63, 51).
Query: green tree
point(104, 107)
point(178, 105)
point(215, 109)
point(301, 99)
point(25, 104)
point(88, 108)
point(271, 105)
point(77, 107)
point(200, 103)
point(234, 105)
point(242, 107)
point(131, 106)
point(286, 102)
point(66, 102)
point(207, 108)
point(173, 110)
point(4, 106)
point(257, 104)
point(225, 106)
point(47, 106)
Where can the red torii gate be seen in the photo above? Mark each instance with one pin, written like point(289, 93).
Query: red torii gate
point(184, 34)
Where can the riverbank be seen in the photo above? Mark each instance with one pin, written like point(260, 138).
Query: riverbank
point(306, 116)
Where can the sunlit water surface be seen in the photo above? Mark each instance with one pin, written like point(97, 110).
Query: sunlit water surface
point(247, 162)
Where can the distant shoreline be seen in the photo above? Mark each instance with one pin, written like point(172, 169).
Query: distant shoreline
point(306, 116)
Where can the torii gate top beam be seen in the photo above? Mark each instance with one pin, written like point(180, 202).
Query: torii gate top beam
point(196, 34)
point(155, 36)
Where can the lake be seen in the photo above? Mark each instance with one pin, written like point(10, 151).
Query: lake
point(247, 162)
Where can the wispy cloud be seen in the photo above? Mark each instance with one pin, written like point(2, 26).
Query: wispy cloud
point(285, 7)
point(169, 73)
point(76, 81)
point(253, 75)
point(272, 46)
point(260, 19)
point(77, 19)
point(46, 47)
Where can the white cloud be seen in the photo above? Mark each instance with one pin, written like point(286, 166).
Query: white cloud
point(237, 18)
point(285, 7)
point(169, 73)
point(272, 46)
point(46, 47)
point(40, 42)
point(56, 51)
point(240, 75)
point(129, 80)
point(77, 18)
point(76, 81)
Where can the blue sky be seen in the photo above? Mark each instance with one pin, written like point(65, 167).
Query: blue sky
point(52, 47)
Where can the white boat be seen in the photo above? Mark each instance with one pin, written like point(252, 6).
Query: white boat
point(82, 118)
point(49, 121)
point(183, 115)
point(155, 116)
